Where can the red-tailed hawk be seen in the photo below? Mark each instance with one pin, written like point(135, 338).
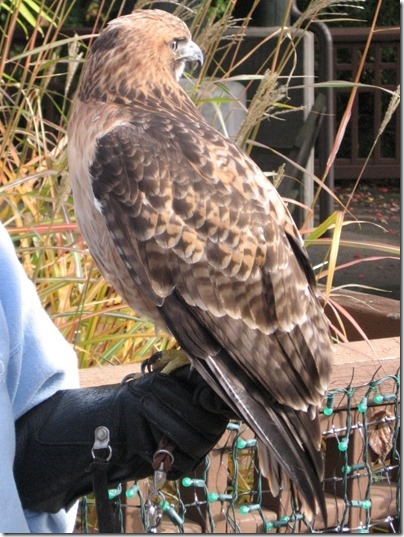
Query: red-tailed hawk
point(189, 231)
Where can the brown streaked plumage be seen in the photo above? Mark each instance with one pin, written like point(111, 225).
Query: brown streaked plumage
point(190, 232)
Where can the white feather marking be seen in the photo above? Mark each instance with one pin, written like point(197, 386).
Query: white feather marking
point(98, 205)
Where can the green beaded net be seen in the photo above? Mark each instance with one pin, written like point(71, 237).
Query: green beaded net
point(361, 444)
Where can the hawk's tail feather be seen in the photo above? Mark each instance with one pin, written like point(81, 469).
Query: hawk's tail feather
point(270, 469)
point(278, 479)
point(286, 433)
point(287, 443)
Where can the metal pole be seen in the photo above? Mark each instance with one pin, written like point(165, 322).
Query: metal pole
point(326, 135)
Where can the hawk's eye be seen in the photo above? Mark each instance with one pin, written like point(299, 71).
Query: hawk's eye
point(175, 43)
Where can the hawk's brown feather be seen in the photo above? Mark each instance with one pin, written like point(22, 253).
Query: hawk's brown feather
point(189, 231)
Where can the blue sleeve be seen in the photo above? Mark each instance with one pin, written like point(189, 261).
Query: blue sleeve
point(35, 362)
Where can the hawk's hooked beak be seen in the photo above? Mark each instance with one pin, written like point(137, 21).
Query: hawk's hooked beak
point(189, 52)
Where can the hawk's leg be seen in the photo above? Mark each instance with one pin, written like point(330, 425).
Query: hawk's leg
point(165, 361)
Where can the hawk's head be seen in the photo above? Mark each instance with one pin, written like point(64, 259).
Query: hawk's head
point(144, 47)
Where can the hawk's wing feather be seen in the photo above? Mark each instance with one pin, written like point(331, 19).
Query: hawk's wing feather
point(241, 284)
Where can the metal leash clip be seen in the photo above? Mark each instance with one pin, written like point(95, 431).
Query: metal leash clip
point(153, 510)
point(155, 499)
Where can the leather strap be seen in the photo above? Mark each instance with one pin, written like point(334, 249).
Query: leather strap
point(102, 453)
point(106, 521)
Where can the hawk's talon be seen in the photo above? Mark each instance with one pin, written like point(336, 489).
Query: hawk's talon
point(150, 362)
point(164, 361)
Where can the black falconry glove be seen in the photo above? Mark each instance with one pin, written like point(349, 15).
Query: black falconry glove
point(55, 439)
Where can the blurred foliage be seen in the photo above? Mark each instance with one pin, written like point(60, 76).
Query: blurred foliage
point(362, 11)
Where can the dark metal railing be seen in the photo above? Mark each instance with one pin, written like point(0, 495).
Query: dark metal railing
point(382, 70)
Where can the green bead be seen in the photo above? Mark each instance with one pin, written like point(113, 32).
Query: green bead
point(164, 505)
point(233, 426)
point(363, 405)
point(113, 493)
point(285, 518)
point(241, 443)
point(244, 509)
point(327, 411)
point(132, 491)
point(269, 526)
point(188, 482)
point(378, 398)
point(365, 504)
point(213, 497)
point(343, 445)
